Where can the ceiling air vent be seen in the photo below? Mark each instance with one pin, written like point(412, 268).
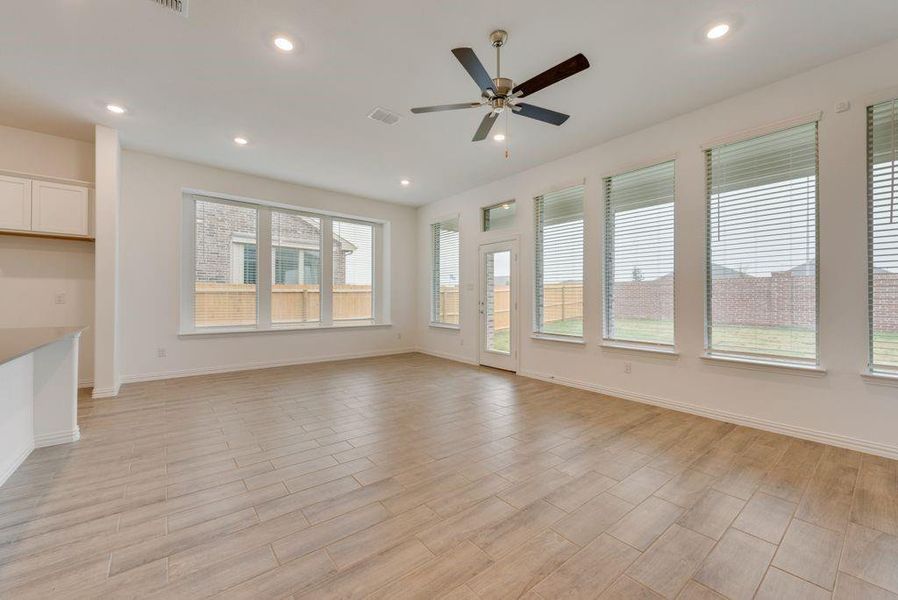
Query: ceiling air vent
point(179, 6)
point(383, 115)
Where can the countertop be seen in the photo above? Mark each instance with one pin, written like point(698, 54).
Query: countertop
point(19, 341)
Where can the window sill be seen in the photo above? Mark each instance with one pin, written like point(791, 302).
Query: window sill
point(449, 326)
point(764, 365)
point(880, 377)
point(281, 329)
point(564, 339)
point(613, 345)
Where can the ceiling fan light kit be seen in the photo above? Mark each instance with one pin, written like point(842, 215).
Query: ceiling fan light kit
point(500, 93)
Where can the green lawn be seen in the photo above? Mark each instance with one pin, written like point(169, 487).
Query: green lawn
point(793, 342)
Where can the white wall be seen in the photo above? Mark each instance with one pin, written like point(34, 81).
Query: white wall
point(841, 406)
point(149, 275)
point(33, 270)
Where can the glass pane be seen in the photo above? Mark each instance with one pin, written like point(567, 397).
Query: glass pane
point(762, 227)
point(498, 298)
point(445, 300)
point(225, 263)
point(353, 270)
point(296, 268)
point(500, 216)
point(559, 262)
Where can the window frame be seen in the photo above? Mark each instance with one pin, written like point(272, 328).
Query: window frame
point(535, 331)
point(608, 267)
point(883, 373)
point(749, 358)
point(484, 218)
point(433, 262)
point(265, 265)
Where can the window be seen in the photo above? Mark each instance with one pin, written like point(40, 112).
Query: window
point(444, 285)
point(256, 267)
point(762, 246)
point(559, 263)
point(499, 216)
point(296, 264)
point(639, 256)
point(882, 173)
point(353, 270)
point(224, 265)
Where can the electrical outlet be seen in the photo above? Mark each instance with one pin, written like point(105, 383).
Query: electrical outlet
point(628, 368)
point(161, 353)
point(59, 298)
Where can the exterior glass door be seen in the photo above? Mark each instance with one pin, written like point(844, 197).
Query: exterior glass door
point(498, 305)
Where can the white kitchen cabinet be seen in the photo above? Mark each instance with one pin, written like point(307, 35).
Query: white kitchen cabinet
point(60, 208)
point(15, 203)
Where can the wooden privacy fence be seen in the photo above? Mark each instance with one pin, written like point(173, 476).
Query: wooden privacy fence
point(220, 304)
point(561, 301)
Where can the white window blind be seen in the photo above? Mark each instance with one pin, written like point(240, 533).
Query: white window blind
point(762, 246)
point(882, 182)
point(639, 255)
point(559, 263)
point(296, 268)
point(444, 274)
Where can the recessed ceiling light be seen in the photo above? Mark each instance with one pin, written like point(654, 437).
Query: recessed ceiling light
point(405, 182)
point(499, 137)
point(718, 31)
point(284, 44)
point(115, 108)
point(240, 141)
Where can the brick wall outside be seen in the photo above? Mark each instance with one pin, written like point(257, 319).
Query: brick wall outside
point(781, 300)
point(217, 226)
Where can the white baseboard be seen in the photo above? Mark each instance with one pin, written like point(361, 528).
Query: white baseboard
point(175, 374)
point(452, 357)
point(15, 464)
point(59, 437)
point(823, 437)
point(106, 392)
point(87, 382)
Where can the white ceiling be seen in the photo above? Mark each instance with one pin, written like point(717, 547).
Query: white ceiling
point(193, 84)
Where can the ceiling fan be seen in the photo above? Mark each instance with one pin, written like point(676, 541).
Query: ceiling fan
point(500, 93)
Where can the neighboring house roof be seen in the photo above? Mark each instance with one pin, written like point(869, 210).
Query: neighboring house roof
point(722, 272)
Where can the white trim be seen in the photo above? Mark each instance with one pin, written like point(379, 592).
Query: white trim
point(747, 134)
point(437, 325)
point(446, 356)
point(823, 437)
point(87, 382)
point(107, 392)
point(261, 365)
point(564, 339)
point(746, 362)
point(59, 437)
point(879, 378)
point(312, 326)
point(16, 463)
point(615, 345)
point(312, 212)
point(47, 178)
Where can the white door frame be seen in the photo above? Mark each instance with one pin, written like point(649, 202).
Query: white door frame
point(492, 358)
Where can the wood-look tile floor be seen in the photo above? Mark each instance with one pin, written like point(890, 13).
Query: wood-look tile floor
point(415, 477)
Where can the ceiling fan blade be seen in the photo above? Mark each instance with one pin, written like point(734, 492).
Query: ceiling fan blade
point(485, 125)
point(441, 107)
point(540, 114)
point(563, 70)
point(475, 68)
